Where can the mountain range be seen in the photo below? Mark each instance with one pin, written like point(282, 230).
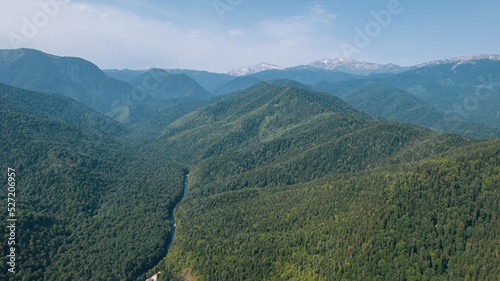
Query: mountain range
point(76, 78)
point(349, 65)
point(459, 92)
point(287, 180)
point(254, 69)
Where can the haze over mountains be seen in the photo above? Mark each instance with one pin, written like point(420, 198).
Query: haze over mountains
point(254, 69)
point(303, 173)
point(451, 95)
point(73, 77)
point(349, 65)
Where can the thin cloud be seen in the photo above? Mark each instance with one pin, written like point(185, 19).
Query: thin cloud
point(116, 38)
point(316, 20)
point(84, 8)
point(188, 34)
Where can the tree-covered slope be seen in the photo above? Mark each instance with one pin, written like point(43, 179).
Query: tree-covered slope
point(208, 80)
point(285, 183)
point(469, 89)
point(162, 85)
point(82, 199)
point(237, 84)
point(64, 109)
point(395, 104)
point(436, 219)
point(72, 77)
point(260, 112)
point(330, 194)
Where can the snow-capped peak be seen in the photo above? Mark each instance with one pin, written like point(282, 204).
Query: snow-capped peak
point(254, 69)
point(460, 60)
point(355, 67)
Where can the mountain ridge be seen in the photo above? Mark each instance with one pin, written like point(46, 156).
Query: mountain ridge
point(460, 60)
point(73, 77)
point(244, 71)
point(349, 65)
point(285, 183)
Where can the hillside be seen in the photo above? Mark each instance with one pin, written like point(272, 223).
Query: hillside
point(44, 105)
point(468, 88)
point(434, 219)
point(162, 85)
point(72, 77)
point(395, 104)
point(82, 196)
point(125, 75)
point(237, 84)
point(167, 90)
point(208, 80)
point(287, 181)
point(246, 117)
point(454, 95)
point(305, 74)
point(264, 201)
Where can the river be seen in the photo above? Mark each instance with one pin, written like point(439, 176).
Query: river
point(172, 219)
point(172, 224)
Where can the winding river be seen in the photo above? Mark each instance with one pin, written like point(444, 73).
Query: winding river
point(171, 214)
point(172, 223)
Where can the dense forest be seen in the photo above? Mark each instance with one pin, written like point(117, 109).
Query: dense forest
point(334, 196)
point(88, 206)
point(285, 183)
point(435, 220)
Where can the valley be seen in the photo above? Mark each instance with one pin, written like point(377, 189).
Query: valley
point(302, 173)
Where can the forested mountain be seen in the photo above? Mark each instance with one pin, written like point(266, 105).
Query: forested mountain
point(72, 77)
point(436, 219)
point(278, 194)
point(285, 182)
point(237, 84)
point(305, 74)
point(46, 105)
point(167, 91)
point(82, 198)
point(467, 88)
point(208, 80)
point(452, 90)
point(245, 118)
point(456, 95)
point(394, 104)
point(125, 75)
point(162, 85)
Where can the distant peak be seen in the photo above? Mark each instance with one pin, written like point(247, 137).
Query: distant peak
point(254, 69)
point(352, 66)
point(461, 60)
point(338, 60)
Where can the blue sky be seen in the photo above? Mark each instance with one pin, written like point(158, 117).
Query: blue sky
point(219, 35)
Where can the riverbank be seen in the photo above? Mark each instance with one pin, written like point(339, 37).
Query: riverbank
point(171, 215)
point(173, 225)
